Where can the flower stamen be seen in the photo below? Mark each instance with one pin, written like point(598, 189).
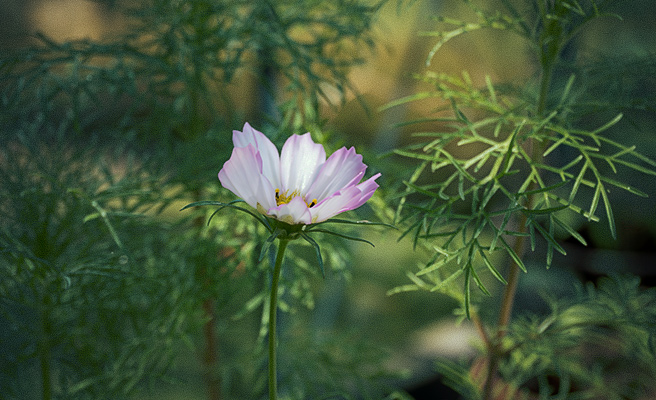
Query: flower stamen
point(284, 198)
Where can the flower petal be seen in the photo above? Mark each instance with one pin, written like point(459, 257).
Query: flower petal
point(242, 175)
point(367, 189)
point(348, 199)
point(267, 150)
point(299, 162)
point(294, 212)
point(343, 168)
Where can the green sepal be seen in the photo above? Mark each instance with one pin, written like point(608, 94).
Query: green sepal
point(267, 243)
point(346, 221)
point(231, 204)
point(316, 249)
point(343, 236)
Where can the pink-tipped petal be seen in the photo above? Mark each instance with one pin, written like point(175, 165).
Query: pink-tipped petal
point(242, 175)
point(367, 189)
point(343, 168)
point(334, 205)
point(294, 212)
point(299, 161)
point(345, 200)
point(266, 148)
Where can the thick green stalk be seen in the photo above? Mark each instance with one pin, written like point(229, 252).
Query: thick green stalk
point(273, 308)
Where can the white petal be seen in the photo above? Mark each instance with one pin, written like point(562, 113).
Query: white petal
point(294, 212)
point(343, 168)
point(242, 175)
point(299, 162)
point(267, 150)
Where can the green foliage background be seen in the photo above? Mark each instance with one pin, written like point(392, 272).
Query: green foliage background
point(108, 291)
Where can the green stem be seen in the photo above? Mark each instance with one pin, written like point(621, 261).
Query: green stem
point(44, 354)
point(504, 313)
point(45, 373)
point(273, 308)
point(544, 89)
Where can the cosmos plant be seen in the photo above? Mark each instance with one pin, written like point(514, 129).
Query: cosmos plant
point(294, 192)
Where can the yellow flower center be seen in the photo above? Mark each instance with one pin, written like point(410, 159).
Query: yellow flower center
point(284, 198)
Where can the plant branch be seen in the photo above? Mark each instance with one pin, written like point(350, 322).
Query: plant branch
point(508, 299)
point(505, 312)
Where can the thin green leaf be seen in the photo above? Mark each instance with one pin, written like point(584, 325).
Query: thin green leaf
point(491, 267)
point(489, 193)
point(506, 163)
point(595, 200)
point(542, 211)
point(447, 281)
point(402, 289)
point(609, 213)
point(343, 236)
point(437, 265)
point(231, 204)
point(607, 125)
point(417, 281)
point(571, 231)
point(490, 88)
point(478, 281)
point(626, 187)
point(108, 224)
point(574, 207)
point(512, 254)
point(548, 236)
point(267, 243)
point(317, 250)
point(210, 203)
point(542, 189)
point(351, 222)
point(628, 164)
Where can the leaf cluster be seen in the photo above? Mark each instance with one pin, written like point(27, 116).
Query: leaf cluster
point(103, 285)
point(506, 169)
point(546, 25)
point(75, 295)
point(598, 343)
point(187, 60)
point(588, 344)
point(533, 168)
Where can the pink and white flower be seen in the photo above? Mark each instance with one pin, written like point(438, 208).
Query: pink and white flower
point(299, 185)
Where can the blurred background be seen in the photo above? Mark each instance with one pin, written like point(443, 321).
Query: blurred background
point(405, 333)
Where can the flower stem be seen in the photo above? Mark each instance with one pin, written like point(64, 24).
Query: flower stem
point(273, 308)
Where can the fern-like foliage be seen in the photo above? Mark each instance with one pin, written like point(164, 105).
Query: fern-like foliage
point(181, 59)
point(101, 280)
point(507, 169)
point(560, 354)
point(599, 343)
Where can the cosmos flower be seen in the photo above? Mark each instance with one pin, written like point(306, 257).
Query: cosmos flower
point(299, 185)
